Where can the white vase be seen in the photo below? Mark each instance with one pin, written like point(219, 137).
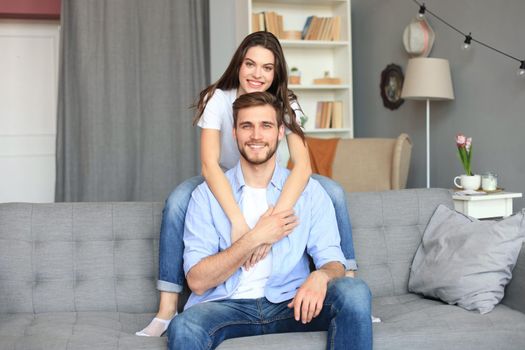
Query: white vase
point(467, 182)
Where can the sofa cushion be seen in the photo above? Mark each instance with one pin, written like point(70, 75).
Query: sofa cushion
point(412, 322)
point(465, 261)
point(76, 330)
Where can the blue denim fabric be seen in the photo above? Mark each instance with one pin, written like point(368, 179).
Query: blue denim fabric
point(338, 196)
point(171, 245)
point(345, 315)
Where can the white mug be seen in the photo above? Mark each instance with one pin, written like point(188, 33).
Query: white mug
point(468, 182)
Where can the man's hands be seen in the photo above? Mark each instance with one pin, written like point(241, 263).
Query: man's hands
point(308, 302)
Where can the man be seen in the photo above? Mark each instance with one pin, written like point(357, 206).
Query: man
point(279, 294)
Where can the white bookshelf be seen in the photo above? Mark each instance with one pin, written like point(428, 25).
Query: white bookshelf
point(312, 57)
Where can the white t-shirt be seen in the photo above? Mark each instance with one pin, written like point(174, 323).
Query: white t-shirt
point(218, 115)
point(252, 282)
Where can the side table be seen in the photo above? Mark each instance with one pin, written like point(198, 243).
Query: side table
point(484, 206)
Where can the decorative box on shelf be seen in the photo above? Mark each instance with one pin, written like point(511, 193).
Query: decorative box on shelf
point(489, 205)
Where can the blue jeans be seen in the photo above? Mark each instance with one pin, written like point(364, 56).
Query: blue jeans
point(171, 245)
point(345, 315)
point(338, 196)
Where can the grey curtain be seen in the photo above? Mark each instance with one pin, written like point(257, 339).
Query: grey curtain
point(130, 71)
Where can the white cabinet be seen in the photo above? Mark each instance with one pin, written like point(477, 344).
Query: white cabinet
point(490, 205)
point(312, 57)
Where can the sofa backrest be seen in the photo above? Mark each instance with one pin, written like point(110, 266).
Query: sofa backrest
point(387, 228)
point(104, 256)
point(79, 257)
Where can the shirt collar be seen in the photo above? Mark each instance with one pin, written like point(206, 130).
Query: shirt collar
point(278, 178)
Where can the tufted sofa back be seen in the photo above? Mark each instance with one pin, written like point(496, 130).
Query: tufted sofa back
point(78, 257)
point(104, 256)
point(387, 228)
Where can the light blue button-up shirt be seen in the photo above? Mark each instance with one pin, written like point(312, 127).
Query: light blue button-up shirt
point(207, 232)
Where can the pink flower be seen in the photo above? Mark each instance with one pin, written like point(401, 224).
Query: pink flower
point(461, 140)
point(468, 143)
point(464, 145)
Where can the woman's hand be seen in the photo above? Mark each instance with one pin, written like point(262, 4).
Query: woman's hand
point(238, 230)
point(260, 253)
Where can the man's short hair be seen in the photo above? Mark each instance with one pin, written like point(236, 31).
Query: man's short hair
point(256, 99)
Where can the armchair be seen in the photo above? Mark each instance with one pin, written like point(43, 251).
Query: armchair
point(372, 164)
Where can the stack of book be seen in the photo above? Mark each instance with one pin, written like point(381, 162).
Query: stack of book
point(322, 28)
point(269, 21)
point(329, 115)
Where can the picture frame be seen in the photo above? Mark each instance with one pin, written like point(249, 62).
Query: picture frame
point(391, 85)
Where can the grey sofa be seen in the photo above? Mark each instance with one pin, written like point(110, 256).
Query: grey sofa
point(82, 276)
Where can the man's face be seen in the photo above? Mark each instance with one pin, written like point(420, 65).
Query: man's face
point(257, 133)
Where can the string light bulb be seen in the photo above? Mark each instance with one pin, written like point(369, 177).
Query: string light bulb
point(467, 42)
point(521, 70)
point(421, 13)
point(468, 38)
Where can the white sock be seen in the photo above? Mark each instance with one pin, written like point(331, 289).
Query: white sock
point(156, 328)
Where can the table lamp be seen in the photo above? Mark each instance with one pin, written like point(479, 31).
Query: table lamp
point(428, 79)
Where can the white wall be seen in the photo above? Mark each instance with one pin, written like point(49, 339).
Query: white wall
point(28, 99)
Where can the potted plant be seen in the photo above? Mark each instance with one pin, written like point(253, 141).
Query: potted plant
point(467, 181)
point(304, 119)
point(295, 76)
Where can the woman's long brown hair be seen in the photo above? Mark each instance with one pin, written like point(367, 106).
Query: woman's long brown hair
point(279, 88)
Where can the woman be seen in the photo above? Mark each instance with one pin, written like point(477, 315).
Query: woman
point(258, 64)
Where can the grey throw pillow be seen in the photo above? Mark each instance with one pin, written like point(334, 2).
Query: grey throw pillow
point(465, 261)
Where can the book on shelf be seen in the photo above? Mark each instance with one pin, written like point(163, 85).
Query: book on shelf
point(318, 114)
point(337, 115)
point(336, 29)
point(258, 22)
point(315, 28)
point(306, 27)
point(322, 28)
point(268, 21)
point(327, 122)
point(329, 115)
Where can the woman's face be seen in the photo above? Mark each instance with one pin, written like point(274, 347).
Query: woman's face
point(257, 70)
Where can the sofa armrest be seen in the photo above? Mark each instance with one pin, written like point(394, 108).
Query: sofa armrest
point(401, 161)
point(514, 291)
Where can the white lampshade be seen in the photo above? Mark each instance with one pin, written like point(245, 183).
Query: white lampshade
point(427, 78)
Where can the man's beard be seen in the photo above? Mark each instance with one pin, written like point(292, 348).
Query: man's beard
point(269, 154)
